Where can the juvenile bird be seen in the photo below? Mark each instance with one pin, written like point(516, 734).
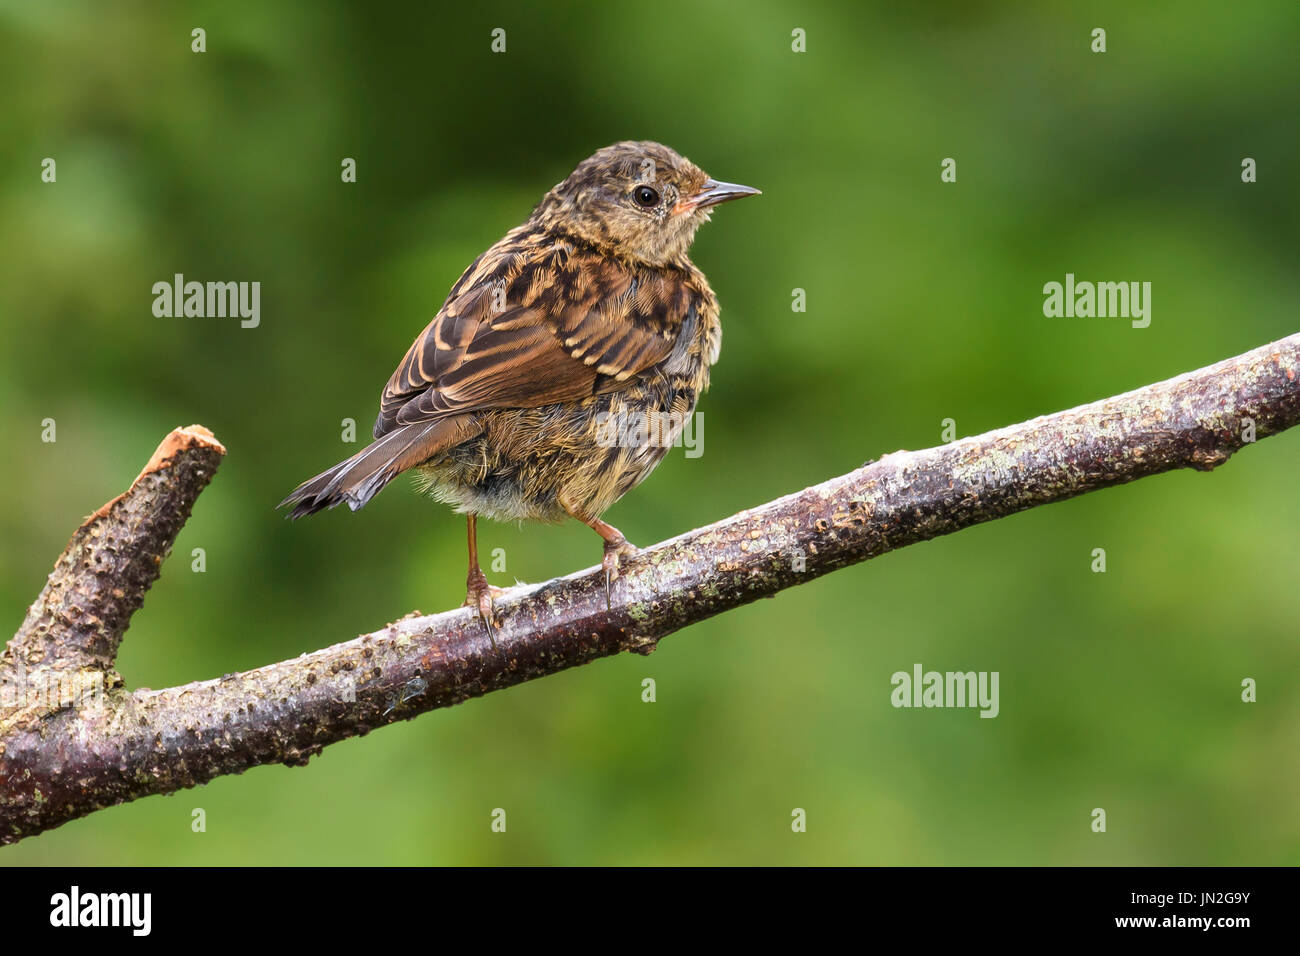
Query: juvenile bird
point(583, 326)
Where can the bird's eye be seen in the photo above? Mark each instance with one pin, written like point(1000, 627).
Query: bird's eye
point(645, 196)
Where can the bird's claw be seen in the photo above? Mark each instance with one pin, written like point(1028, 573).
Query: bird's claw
point(480, 596)
point(613, 550)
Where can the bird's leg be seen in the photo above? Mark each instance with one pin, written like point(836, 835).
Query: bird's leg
point(480, 592)
point(616, 545)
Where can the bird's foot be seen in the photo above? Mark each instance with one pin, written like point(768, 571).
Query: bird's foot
point(613, 551)
point(480, 596)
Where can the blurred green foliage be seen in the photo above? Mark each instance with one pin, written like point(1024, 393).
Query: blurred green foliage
point(1118, 690)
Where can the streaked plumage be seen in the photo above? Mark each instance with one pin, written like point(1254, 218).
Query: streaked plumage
point(591, 307)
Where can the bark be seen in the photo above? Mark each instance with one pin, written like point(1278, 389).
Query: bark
point(63, 758)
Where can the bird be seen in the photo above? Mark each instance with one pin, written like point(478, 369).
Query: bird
point(515, 402)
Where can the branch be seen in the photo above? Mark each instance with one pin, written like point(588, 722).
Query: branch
point(66, 646)
point(60, 760)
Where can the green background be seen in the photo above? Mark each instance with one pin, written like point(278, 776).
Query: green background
point(1118, 690)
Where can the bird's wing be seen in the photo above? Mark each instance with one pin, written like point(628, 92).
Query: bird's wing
point(535, 321)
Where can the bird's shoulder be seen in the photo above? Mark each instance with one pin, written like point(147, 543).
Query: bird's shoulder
point(543, 317)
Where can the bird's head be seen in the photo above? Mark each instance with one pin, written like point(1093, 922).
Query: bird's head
point(637, 200)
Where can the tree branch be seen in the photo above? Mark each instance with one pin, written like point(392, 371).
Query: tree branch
point(61, 759)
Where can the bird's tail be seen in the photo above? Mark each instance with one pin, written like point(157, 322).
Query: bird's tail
point(359, 478)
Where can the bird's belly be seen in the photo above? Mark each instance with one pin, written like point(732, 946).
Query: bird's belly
point(538, 464)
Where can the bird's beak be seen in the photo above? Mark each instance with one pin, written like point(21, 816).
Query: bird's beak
point(714, 192)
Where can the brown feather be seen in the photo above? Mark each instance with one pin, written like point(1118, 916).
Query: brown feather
point(359, 478)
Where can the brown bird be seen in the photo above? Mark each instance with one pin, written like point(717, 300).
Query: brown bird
point(515, 403)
